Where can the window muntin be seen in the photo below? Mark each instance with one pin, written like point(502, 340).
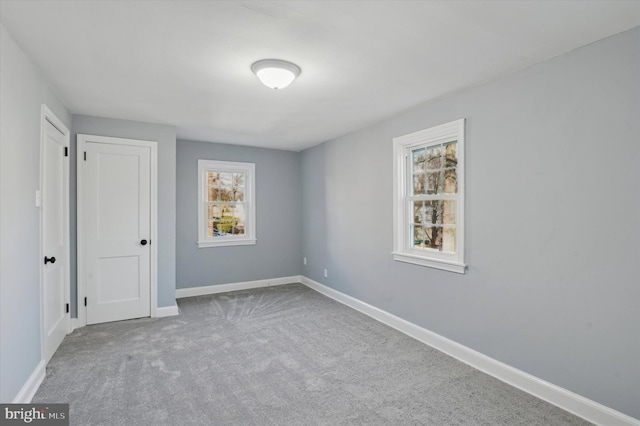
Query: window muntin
point(429, 197)
point(226, 203)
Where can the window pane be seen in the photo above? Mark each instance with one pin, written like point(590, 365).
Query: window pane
point(433, 237)
point(419, 212)
point(223, 223)
point(238, 219)
point(226, 179)
point(239, 212)
point(215, 213)
point(418, 236)
point(213, 178)
point(449, 212)
point(451, 154)
point(450, 181)
point(418, 159)
point(226, 194)
point(238, 180)
point(214, 216)
point(449, 240)
point(429, 237)
point(435, 182)
point(418, 183)
point(238, 194)
point(433, 212)
point(213, 194)
point(434, 157)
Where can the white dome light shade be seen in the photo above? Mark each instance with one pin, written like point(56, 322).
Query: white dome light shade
point(275, 73)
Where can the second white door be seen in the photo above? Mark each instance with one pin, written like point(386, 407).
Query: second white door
point(55, 232)
point(116, 205)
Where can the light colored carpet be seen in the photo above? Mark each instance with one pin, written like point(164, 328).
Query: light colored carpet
point(282, 355)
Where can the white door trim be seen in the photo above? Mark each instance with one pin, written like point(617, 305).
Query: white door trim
point(82, 285)
point(46, 115)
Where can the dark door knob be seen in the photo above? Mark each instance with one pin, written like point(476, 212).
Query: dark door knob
point(49, 260)
point(143, 242)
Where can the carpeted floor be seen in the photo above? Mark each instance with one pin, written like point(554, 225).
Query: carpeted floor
point(281, 355)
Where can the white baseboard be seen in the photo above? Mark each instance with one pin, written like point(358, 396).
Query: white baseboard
point(31, 385)
point(166, 311)
point(75, 323)
point(565, 399)
point(224, 288)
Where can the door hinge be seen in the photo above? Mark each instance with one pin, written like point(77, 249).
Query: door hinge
point(66, 151)
point(85, 301)
point(85, 156)
point(67, 308)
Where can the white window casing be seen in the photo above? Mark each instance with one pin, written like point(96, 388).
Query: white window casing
point(428, 197)
point(245, 232)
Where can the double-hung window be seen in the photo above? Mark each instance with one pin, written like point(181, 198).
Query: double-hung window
point(226, 203)
point(429, 197)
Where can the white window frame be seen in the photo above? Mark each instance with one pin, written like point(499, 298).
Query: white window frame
point(402, 183)
point(249, 237)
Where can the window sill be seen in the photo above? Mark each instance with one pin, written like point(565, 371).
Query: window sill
point(230, 242)
point(459, 268)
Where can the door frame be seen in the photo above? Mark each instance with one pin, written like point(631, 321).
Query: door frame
point(82, 140)
point(46, 115)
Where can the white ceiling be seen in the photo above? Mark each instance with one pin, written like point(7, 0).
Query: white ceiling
point(187, 63)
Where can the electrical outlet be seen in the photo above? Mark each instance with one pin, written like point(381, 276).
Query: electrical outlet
point(304, 260)
point(326, 274)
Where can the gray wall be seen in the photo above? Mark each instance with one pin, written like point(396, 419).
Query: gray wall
point(552, 212)
point(166, 138)
point(22, 91)
point(278, 232)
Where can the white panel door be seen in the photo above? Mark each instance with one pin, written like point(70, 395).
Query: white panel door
point(55, 219)
point(117, 230)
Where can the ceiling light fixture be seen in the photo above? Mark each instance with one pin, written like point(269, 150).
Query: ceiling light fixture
point(275, 73)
